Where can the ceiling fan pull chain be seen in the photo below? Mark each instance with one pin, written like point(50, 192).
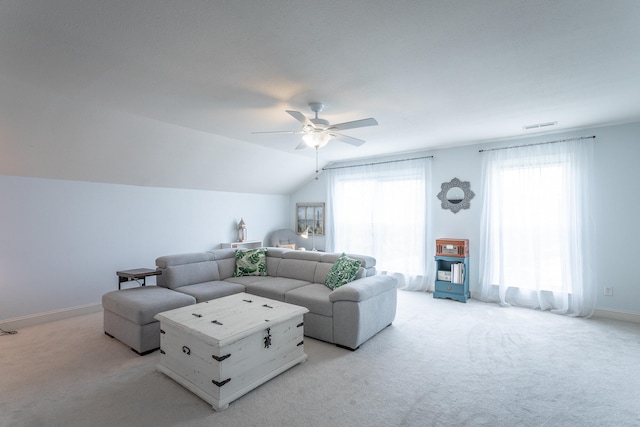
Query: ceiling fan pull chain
point(317, 168)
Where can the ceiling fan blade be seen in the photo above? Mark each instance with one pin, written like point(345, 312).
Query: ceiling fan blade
point(354, 124)
point(301, 118)
point(293, 132)
point(301, 146)
point(348, 139)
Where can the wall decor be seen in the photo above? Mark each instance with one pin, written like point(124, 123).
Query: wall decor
point(455, 195)
point(242, 231)
point(311, 216)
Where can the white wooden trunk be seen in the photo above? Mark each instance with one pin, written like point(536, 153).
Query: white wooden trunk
point(224, 348)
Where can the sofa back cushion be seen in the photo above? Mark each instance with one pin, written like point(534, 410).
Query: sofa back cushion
point(310, 266)
point(226, 267)
point(178, 259)
point(219, 264)
point(176, 276)
point(187, 258)
point(297, 269)
point(322, 269)
point(226, 259)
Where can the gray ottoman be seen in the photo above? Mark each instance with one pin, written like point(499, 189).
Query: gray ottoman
point(129, 314)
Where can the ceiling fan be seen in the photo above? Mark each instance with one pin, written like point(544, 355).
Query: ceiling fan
point(316, 132)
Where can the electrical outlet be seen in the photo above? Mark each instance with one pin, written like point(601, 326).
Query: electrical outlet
point(608, 291)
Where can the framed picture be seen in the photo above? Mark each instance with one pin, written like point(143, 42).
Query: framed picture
point(310, 215)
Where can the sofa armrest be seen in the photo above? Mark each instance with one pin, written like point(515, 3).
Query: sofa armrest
point(363, 289)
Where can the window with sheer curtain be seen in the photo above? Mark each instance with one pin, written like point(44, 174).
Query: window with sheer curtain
point(536, 236)
point(381, 210)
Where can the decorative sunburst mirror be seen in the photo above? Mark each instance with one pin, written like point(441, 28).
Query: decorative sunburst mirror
point(455, 195)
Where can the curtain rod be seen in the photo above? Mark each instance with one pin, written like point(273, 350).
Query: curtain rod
point(577, 138)
point(377, 163)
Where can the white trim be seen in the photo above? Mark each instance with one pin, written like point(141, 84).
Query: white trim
point(617, 315)
point(36, 319)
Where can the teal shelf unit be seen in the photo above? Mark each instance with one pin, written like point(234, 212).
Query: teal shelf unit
point(446, 289)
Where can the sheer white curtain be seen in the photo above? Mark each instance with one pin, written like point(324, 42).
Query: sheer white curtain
point(536, 232)
point(381, 210)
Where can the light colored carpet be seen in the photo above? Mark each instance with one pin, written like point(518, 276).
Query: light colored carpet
point(442, 363)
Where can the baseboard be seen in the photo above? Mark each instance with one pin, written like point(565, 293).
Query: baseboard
point(36, 319)
point(616, 315)
point(39, 318)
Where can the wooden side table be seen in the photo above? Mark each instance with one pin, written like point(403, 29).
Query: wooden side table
point(136, 274)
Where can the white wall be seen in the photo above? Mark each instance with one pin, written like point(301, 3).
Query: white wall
point(617, 175)
point(61, 242)
point(617, 210)
point(86, 191)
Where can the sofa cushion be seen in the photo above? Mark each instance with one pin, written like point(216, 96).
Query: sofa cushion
point(314, 296)
point(189, 274)
point(251, 262)
point(274, 287)
point(344, 270)
point(210, 290)
point(140, 305)
point(246, 280)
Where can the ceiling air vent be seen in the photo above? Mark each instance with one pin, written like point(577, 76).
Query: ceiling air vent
point(539, 125)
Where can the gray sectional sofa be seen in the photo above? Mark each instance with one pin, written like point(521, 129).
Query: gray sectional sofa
point(346, 316)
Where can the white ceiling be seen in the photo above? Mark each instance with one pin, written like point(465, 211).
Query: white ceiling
point(433, 73)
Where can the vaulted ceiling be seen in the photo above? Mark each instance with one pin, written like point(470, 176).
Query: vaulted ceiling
point(433, 73)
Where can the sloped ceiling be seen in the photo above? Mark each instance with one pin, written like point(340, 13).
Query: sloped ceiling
point(433, 73)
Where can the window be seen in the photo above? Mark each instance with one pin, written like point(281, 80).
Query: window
point(380, 210)
point(536, 227)
point(531, 218)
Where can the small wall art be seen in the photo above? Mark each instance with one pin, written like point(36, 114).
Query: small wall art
point(311, 216)
point(455, 195)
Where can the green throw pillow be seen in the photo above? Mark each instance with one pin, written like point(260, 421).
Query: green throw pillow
point(343, 271)
point(251, 262)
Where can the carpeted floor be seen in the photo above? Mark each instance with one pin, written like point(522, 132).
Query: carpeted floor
point(441, 363)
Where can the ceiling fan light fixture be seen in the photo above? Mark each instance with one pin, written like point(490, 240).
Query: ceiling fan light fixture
point(317, 132)
point(316, 139)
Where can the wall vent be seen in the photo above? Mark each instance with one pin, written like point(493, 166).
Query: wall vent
point(539, 125)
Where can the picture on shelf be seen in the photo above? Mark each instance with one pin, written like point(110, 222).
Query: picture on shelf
point(310, 216)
